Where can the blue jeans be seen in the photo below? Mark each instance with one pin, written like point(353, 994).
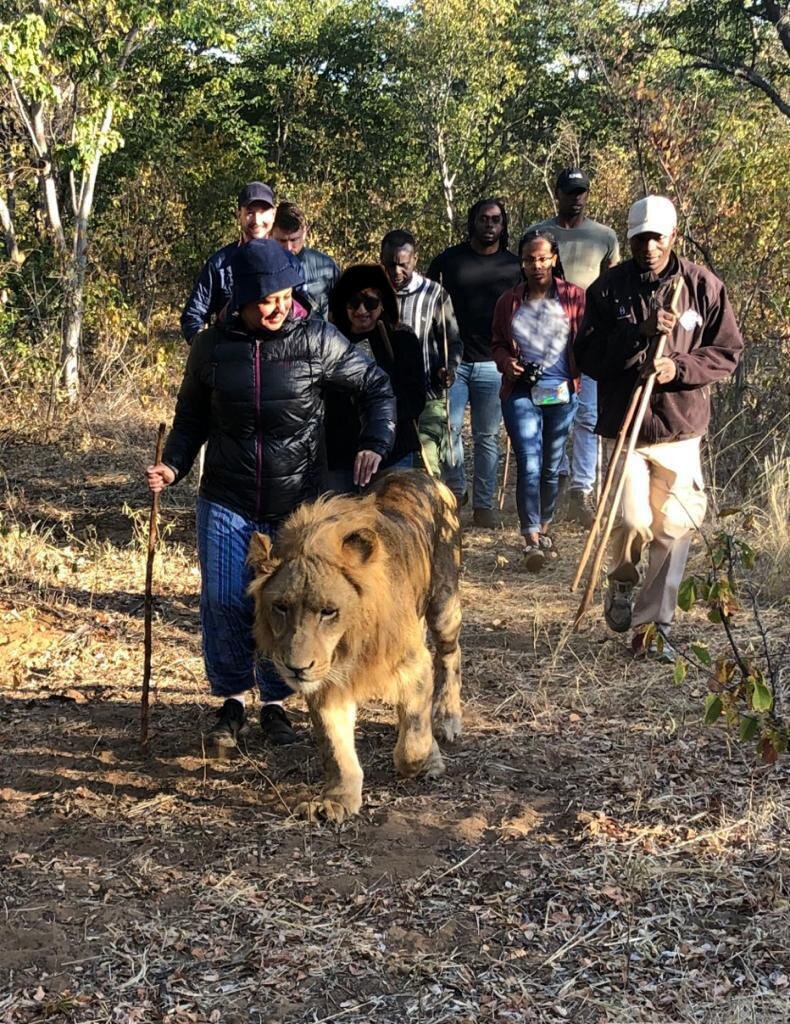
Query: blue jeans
point(476, 384)
point(537, 434)
point(232, 665)
point(584, 462)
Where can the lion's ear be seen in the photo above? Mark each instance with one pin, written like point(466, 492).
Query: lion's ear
point(259, 555)
point(360, 546)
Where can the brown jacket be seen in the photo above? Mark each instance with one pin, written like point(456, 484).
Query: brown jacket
point(705, 346)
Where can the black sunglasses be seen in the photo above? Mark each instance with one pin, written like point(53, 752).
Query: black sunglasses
point(370, 302)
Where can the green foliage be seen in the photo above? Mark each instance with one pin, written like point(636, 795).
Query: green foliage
point(740, 679)
point(374, 115)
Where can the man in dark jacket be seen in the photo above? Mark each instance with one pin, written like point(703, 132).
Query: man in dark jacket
point(211, 292)
point(320, 271)
point(664, 497)
point(476, 273)
point(253, 389)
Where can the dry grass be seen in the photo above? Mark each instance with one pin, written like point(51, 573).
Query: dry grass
point(593, 855)
point(776, 522)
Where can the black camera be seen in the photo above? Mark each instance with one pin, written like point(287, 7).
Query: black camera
point(532, 374)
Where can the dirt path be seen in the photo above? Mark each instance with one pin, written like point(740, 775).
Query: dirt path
point(593, 854)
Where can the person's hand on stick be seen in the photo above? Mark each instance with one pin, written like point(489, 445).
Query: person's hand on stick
point(158, 477)
point(660, 321)
point(665, 370)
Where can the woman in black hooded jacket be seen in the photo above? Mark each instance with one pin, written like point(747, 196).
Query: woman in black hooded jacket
point(253, 391)
point(364, 307)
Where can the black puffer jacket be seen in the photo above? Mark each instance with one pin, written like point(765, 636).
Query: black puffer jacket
point(399, 353)
point(257, 399)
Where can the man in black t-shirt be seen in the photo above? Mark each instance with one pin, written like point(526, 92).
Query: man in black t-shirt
point(476, 273)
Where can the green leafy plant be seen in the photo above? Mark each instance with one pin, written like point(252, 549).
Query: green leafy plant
point(742, 679)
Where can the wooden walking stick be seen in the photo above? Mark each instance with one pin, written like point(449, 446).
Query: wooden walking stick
point(633, 419)
point(148, 606)
point(450, 449)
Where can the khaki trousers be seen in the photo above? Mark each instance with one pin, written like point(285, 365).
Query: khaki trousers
point(663, 503)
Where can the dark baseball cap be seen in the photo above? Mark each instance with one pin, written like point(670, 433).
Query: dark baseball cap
point(255, 192)
point(572, 179)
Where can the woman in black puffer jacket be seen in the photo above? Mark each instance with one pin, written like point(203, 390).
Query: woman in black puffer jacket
point(363, 306)
point(253, 391)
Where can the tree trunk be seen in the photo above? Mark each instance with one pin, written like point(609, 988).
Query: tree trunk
point(448, 180)
point(74, 288)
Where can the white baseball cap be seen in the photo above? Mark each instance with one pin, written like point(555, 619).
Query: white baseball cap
point(655, 214)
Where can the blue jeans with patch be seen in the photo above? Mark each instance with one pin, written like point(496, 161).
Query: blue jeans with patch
point(232, 664)
point(476, 385)
point(537, 434)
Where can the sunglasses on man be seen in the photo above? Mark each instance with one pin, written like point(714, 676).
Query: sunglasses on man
point(370, 302)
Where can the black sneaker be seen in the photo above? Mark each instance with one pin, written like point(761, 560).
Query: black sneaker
point(617, 605)
point(276, 726)
point(225, 731)
point(581, 507)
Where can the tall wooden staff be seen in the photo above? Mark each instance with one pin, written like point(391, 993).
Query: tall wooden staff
point(149, 575)
point(450, 449)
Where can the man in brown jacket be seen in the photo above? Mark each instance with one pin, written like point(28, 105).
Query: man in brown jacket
point(664, 497)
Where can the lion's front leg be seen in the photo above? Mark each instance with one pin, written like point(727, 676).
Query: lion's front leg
point(333, 716)
point(416, 751)
point(444, 621)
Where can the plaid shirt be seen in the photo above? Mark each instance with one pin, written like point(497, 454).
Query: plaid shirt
point(504, 348)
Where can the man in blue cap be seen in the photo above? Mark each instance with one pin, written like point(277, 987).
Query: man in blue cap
point(255, 216)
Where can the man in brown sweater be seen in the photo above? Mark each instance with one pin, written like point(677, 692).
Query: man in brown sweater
point(664, 497)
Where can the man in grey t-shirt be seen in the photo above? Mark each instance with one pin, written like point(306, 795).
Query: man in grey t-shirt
point(587, 249)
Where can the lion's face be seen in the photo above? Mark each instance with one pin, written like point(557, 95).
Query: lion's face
point(303, 610)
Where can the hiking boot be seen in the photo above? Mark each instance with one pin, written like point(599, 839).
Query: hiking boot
point(276, 726)
point(548, 547)
point(534, 557)
point(487, 518)
point(225, 731)
point(581, 507)
point(657, 649)
point(617, 605)
point(461, 499)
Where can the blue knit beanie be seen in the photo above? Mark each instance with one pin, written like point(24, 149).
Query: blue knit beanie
point(261, 267)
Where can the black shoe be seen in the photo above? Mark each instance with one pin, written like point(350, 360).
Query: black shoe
point(581, 507)
point(618, 603)
point(461, 499)
point(487, 518)
point(225, 731)
point(276, 726)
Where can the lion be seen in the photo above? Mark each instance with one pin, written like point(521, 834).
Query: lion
point(342, 598)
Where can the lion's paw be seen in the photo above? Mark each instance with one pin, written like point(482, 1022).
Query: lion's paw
point(326, 808)
point(447, 728)
point(434, 765)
